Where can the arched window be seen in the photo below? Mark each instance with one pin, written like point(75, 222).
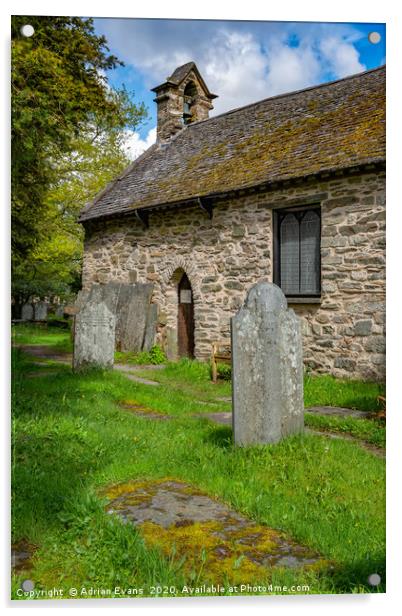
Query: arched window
point(297, 239)
point(190, 92)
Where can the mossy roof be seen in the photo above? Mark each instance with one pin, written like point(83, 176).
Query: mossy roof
point(329, 127)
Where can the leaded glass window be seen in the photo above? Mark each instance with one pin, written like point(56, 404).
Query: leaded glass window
point(297, 268)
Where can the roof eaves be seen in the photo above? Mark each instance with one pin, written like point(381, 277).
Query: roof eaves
point(366, 165)
point(113, 183)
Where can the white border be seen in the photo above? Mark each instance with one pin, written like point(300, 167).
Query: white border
point(286, 10)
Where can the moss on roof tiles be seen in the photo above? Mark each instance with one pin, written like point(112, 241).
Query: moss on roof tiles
point(331, 126)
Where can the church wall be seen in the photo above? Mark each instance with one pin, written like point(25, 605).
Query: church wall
point(343, 335)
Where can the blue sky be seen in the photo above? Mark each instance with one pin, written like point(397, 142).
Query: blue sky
point(241, 61)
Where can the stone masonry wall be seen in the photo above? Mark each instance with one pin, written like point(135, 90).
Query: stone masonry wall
point(343, 335)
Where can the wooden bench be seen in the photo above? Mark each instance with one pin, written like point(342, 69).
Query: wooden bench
point(221, 353)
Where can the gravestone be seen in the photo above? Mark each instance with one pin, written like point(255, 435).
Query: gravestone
point(59, 312)
point(27, 312)
point(150, 327)
point(94, 337)
point(40, 311)
point(267, 368)
point(136, 317)
point(133, 305)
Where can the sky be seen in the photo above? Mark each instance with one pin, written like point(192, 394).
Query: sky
point(241, 61)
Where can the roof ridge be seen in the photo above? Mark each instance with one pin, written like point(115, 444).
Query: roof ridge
point(288, 94)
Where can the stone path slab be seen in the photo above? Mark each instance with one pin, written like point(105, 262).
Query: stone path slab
point(40, 373)
point(128, 371)
point(215, 541)
point(45, 352)
point(377, 451)
point(226, 419)
point(140, 379)
point(220, 418)
point(337, 411)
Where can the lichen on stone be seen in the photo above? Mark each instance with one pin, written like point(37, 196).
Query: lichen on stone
point(206, 536)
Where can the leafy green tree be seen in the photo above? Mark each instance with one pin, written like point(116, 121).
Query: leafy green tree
point(53, 266)
point(59, 93)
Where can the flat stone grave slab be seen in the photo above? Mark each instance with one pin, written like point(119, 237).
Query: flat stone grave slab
point(337, 411)
point(141, 380)
point(128, 370)
point(220, 418)
point(21, 554)
point(40, 373)
point(45, 352)
point(216, 542)
point(377, 451)
point(143, 411)
point(334, 411)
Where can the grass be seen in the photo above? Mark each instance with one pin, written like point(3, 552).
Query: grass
point(368, 430)
point(154, 356)
point(325, 390)
point(60, 340)
point(71, 439)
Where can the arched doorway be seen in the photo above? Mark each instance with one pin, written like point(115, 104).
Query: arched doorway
point(185, 318)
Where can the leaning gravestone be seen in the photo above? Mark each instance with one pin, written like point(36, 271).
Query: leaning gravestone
point(267, 368)
point(27, 312)
point(94, 337)
point(40, 311)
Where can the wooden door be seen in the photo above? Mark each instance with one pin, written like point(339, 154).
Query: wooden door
point(185, 325)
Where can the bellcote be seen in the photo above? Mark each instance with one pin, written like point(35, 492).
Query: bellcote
point(182, 99)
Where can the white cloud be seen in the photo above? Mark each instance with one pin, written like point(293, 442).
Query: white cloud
point(135, 146)
point(242, 62)
point(234, 68)
point(341, 55)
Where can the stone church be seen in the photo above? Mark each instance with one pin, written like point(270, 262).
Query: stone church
point(290, 189)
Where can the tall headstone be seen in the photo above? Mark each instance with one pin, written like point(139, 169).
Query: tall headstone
point(94, 338)
point(135, 315)
point(27, 312)
point(40, 311)
point(150, 328)
point(267, 368)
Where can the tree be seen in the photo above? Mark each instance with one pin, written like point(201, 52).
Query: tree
point(59, 93)
point(54, 264)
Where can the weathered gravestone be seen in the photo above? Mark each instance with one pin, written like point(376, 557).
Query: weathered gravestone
point(59, 312)
point(132, 310)
point(27, 312)
point(40, 311)
point(150, 327)
point(267, 368)
point(94, 337)
point(136, 317)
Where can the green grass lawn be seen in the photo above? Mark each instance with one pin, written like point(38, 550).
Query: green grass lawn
point(59, 339)
point(71, 439)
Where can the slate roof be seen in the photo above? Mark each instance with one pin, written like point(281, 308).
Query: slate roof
point(329, 127)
